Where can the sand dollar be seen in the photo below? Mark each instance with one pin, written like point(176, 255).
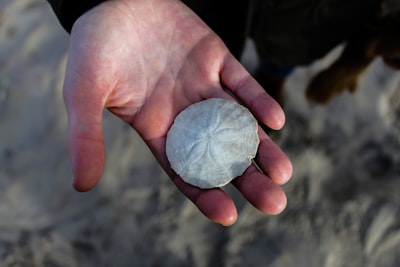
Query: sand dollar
point(212, 142)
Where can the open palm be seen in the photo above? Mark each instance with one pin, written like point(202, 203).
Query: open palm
point(145, 61)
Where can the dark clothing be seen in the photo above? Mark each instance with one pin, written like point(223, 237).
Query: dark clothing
point(68, 11)
point(229, 19)
point(291, 32)
point(297, 32)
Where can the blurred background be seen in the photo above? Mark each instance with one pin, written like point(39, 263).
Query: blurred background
point(343, 200)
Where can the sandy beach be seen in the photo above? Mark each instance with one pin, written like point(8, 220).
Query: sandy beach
point(343, 200)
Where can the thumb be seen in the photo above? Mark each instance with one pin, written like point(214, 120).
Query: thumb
point(85, 133)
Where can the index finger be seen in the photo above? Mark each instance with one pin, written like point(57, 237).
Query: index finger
point(237, 79)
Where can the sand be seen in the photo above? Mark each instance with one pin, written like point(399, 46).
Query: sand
point(343, 200)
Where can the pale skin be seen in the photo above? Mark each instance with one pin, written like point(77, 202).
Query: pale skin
point(145, 61)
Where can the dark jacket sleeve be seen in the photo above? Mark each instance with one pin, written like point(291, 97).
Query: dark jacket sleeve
point(68, 11)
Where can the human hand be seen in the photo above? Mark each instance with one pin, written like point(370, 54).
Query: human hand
point(145, 61)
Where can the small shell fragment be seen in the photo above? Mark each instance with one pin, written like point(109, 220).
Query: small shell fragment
point(212, 142)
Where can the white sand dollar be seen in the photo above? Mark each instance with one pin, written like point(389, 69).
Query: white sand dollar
point(212, 142)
